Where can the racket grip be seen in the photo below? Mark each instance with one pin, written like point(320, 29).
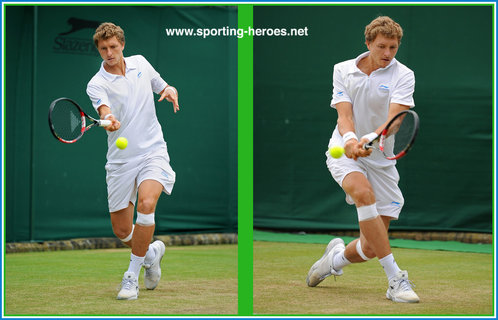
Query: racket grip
point(105, 123)
point(367, 146)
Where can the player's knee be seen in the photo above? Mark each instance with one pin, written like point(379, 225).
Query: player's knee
point(146, 204)
point(123, 232)
point(363, 195)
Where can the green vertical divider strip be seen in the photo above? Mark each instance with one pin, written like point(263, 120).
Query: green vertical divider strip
point(245, 161)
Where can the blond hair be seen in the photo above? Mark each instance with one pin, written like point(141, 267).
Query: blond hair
point(385, 26)
point(106, 31)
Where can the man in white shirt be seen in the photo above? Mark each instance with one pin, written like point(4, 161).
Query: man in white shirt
point(368, 91)
point(123, 91)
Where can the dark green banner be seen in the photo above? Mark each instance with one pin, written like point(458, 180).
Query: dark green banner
point(447, 179)
point(58, 191)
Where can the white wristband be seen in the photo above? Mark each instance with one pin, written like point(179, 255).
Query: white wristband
point(370, 137)
point(107, 116)
point(171, 88)
point(348, 136)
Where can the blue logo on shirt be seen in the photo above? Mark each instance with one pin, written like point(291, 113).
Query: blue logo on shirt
point(396, 204)
point(98, 101)
point(340, 93)
point(139, 74)
point(383, 87)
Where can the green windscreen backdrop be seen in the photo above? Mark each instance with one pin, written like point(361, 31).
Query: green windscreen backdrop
point(58, 191)
point(446, 179)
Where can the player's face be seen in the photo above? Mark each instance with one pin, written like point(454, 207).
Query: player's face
point(111, 51)
point(382, 50)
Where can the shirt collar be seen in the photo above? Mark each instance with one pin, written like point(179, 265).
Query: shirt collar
point(355, 68)
point(129, 65)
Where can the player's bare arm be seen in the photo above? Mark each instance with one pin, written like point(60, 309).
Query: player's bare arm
point(345, 124)
point(352, 148)
point(394, 109)
point(105, 113)
point(170, 94)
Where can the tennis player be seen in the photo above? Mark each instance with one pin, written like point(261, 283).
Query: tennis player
point(367, 91)
point(123, 91)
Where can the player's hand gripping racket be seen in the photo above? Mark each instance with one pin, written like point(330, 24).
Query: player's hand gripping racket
point(398, 136)
point(67, 120)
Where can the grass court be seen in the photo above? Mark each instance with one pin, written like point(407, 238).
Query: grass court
point(448, 283)
point(196, 280)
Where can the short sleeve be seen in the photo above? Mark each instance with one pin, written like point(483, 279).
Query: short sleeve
point(98, 95)
point(404, 89)
point(157, 83)
point(339, 92)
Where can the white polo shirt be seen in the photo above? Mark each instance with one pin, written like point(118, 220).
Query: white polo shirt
point(370, 97)
point(131, 100)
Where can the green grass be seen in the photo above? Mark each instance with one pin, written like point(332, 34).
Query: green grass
point(448, 283)
point(200, 280)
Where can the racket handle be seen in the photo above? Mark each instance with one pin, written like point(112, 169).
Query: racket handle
point(104, 123)
point(371, 137)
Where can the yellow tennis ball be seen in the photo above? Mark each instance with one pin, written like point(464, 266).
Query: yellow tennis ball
point(336, 151)
point(121, 143)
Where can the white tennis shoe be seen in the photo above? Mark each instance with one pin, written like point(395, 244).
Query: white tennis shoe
point(324, 266)
point(400, 289)
point(129, 287)
point(153, 268)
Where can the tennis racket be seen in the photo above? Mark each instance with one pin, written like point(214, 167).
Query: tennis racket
point(398, 136)
point(67, 120)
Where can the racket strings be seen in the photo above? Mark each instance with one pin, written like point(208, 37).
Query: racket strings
point(404, 131)
point(66, 120)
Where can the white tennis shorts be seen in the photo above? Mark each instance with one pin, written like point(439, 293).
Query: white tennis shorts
point(384, 181)
point(123, 179)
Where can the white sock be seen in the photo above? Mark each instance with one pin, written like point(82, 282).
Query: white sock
point(390, 266)
point(340, 261)
point(136, 263)
point(150, 255)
